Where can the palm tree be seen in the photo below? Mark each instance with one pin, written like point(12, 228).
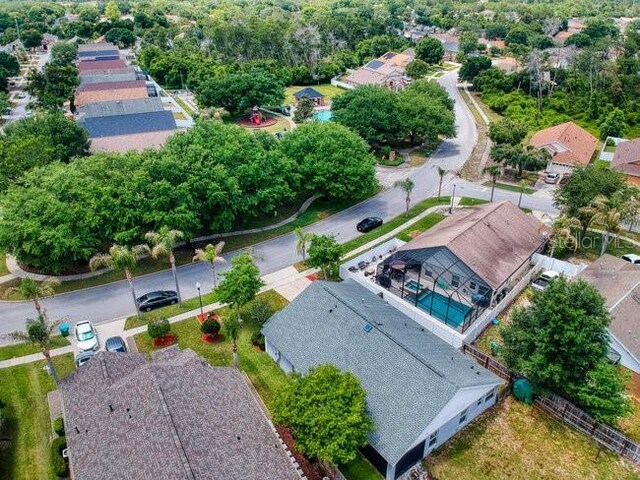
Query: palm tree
point(39, 332)
point(406, 186)
point(211, 255)
point(562, 233)
point(32, 290)
point(608, 213)
point(231, 329)
point(494, 172)
point(163, 242)
point(303, 240)
point(121, 258)
point(441, 172)
point(522, 184)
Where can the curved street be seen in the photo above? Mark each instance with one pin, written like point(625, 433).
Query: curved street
point(112, 301)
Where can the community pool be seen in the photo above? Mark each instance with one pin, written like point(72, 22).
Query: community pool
point(323, 115)
point(443, 308)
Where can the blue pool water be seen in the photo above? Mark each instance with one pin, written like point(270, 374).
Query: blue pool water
point(323, 115)
point(436, 304)
point(412, 285)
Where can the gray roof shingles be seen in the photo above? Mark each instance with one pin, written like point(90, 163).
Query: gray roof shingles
point(409, 373)
point(114, 125)
point(121, 107)
point(174, 417)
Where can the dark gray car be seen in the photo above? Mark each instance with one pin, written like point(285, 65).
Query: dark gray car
point(157, 299)
point(115, 344)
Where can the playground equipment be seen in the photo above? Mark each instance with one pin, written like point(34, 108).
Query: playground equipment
point(256, 116)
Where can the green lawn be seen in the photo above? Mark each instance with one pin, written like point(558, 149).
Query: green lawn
point(360, 469)
point(520, 442)
point(264, 373)
point(181, 102)
point(470, 202)
point(3, 264)
point(22, 349)
point(394, 223)
point(511, 187)
point(328, 90)
point(591, 244)
point(420, 226)
point(24, 389)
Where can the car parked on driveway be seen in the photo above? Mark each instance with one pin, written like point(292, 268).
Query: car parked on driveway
point(632, 258)
point(86, 336)
point(369, 224)
point(115, 344)
point(543, 281)
point(552, 178)
point(157, 299)
point(84, 357)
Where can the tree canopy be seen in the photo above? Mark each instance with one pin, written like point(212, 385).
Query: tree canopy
point(430, 50)
point(326, 409)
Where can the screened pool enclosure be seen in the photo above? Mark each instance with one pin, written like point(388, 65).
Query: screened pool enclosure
point(437, 282)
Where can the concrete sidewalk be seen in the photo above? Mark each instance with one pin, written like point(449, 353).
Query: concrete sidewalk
point(288, 282)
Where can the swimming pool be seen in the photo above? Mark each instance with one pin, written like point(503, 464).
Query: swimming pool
point(323, 115)
point(443, 308)
point(413, 286)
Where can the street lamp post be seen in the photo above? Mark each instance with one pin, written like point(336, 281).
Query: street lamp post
point(453, 196)
point(200, 299)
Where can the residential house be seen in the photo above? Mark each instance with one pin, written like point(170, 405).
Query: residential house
point(619, 283)
point(506, 64)
point(451, 44)
point(626, 160)
point(561, 37)
point(48, 39)
point(100, 65)
point(134, 131)
point(120, 107)
point(388, 71)
point(126, 74)
point(420, 390)
point(12, 47)
point(311, 93)
point(570, 146)
point(110, 91)
point(172, 417)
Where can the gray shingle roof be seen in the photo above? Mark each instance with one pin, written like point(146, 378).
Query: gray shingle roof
point(121, 107)
point(409, 373)
point(128, 124)
point(174, 417)
point(308, 92)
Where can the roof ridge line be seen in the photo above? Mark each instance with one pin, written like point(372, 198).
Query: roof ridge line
point(494, 207)
point(390, 337)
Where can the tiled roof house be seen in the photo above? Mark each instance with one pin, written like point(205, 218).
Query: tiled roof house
point(570, 146)
point(174, 417)
point(626, 160)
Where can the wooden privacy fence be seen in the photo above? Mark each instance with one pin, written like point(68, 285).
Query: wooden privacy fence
point(565, 411)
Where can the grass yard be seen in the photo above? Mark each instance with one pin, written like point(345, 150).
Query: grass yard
point(493, 116)
point(591, 244)
point(326, 89)
point(393, 224)
point(474, 111)
point(24, 391)
point(22, 349)
point(470, 202)
point(360, 469)
point(510, 187)
point(520, 442)
point(420, 226)
point(3, 264)
point(264, 373)
point(182, 103)
point(417, 157)
point(179, 116)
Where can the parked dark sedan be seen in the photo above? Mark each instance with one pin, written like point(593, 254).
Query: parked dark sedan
point(115, 344)
point(369, 224)
point(157, 299)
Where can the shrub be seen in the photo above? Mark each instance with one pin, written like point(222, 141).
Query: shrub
point(158, 328)
point(257, 339)
point(58, 426)
point(58, 462)
point(210, 327)
point(259, 311)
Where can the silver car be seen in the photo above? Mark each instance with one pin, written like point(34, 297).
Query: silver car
point(86, 336)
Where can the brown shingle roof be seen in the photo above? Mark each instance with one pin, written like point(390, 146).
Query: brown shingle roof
point(627, 158)
point(568, 143)
point(174, 417)
point(101, 65)
point(90, 47)
point(110, 95)
point(91, 87)
point(493, 240)
point(619, 283)
point(134, 141)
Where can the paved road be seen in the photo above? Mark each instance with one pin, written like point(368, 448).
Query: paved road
point(108, 302)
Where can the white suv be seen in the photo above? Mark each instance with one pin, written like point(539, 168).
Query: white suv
point(86, 336)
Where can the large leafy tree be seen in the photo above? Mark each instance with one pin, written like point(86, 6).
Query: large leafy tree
point(241, 283)
point(122, 37)
point(64, 53)
point(324, 253)
point(55, 85)
point(560, 338)
point(9, 64)
point(424, 117)
point(370, 111)
point(508, 131)
point(472, 67)
point(327, 412)
point(332, 160)
point(238, 92)
point(576, 196)
point(430, 50)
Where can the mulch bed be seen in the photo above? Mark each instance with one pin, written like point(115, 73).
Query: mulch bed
point(246, 122)
point(164, 341)
point(207, 338)
point(311, 471)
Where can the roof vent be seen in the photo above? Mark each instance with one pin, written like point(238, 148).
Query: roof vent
point(367, 327)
